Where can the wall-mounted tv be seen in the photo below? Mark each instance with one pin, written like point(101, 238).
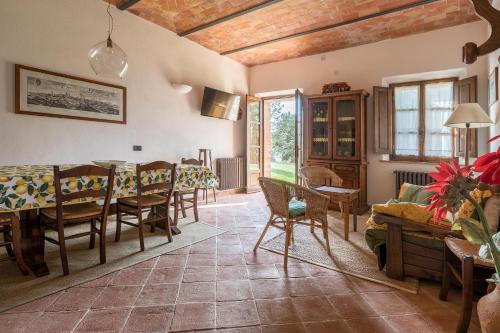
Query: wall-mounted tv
point(220, 104)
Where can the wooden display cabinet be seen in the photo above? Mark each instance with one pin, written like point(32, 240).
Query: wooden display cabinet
point(335, 137)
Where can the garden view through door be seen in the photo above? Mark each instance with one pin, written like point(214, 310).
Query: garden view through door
point(274, 138)
point(281, 114)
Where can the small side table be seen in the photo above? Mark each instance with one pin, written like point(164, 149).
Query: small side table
point(348, 198)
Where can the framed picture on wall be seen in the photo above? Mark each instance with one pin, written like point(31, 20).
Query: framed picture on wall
point(493, 87)
point(43, 93)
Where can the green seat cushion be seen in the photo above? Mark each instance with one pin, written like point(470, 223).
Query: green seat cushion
point(296, 208)
point(377, 237)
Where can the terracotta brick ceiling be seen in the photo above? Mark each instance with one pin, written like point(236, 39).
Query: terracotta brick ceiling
point(288, 17)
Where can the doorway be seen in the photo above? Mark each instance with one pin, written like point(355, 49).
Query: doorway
point(279, 149)
point(274, 138)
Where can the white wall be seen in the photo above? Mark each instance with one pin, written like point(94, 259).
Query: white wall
point(57, 34)
point(494, 61)
point(365, 66)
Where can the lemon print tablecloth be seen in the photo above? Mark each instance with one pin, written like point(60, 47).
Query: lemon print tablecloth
point(32, 186)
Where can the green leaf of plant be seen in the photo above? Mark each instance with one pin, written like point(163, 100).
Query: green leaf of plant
point(44, 187)
point(30, 189)
point(473, 231)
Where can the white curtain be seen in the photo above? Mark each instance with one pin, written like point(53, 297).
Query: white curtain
point(406, 100)
point(438, 107)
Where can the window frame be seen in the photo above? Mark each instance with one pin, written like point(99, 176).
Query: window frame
point(421, 128)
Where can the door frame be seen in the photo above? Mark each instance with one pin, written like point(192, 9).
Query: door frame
point(249, 187)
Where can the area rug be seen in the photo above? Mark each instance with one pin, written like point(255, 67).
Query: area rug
point(351, 257)
point(16, 289)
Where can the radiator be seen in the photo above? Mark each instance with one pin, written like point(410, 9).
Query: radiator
point(231, 172)
point(412, 177)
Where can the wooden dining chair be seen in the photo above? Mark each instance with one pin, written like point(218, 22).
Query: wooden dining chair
point(292, 204)
point(63, 216)
point(10, 226)
point(157, 203)
point(189, 197)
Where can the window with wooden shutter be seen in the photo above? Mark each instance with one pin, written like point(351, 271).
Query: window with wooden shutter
point(465, 92)
point(409, 118)
point(382, 111)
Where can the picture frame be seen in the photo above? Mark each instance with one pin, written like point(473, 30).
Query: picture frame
point(40, 92)
point(493, 86)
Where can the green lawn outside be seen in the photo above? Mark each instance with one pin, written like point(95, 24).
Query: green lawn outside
point(283, 171)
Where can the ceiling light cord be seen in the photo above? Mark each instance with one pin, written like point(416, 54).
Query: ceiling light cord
point(110, 24)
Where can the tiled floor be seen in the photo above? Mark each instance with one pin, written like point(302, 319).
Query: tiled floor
point(221, 285)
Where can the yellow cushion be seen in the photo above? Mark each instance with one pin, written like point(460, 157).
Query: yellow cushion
point(406, 210)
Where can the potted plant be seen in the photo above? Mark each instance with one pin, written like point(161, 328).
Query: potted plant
point(453, 186)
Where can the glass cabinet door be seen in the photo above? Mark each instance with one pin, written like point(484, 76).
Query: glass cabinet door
point(346, 127)
point(320, 128)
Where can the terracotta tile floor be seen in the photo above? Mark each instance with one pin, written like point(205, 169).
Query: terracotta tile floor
point(220, 285)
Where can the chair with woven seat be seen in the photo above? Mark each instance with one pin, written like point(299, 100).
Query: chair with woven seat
point(63, 216)
point(152, 196)
point(11, 228)
point(314, 176)
point(292, 204)
point(188, 196)
point(474, 270)
point(318, 176)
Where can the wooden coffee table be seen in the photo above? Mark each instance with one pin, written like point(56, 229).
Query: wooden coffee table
point(346, 197)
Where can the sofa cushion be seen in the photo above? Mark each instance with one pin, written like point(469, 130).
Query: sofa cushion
point(414, 193)
point(407, 210)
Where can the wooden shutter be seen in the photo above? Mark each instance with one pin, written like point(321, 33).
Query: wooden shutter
point(382, 111)
point(465, 92)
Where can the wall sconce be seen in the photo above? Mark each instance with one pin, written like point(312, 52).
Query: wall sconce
point(182, 88)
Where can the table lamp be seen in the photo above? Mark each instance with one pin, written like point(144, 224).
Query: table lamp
point(468, 115)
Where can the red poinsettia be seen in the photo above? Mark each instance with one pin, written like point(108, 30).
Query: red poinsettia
point(451, 180)
point(489, 166)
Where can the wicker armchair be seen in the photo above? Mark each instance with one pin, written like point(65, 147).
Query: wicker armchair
point(314, 176)
point(292, 204)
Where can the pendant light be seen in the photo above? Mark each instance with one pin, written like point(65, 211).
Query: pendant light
point(107, 58)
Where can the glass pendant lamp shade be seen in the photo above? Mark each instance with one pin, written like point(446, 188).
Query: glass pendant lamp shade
point(108, 59)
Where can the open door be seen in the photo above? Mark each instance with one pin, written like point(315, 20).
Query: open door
point(299, 135)
point(254, 143)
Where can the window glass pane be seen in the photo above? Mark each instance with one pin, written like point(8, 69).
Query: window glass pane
point(406, 103)
point(438, 107)
point(254, 159)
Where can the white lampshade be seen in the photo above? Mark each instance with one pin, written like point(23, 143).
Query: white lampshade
point(181, 88)
point(471, 114)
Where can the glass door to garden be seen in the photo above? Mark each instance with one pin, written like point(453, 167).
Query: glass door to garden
point(280, 145)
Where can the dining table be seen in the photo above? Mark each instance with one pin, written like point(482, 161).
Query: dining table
point(26, 189)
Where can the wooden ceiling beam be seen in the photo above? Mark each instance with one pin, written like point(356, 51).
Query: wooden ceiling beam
point(229, 17)
point(333, 26)
point(126, 4)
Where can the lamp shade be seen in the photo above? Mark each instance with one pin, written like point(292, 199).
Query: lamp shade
point(108, 59)
point(471, 114)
